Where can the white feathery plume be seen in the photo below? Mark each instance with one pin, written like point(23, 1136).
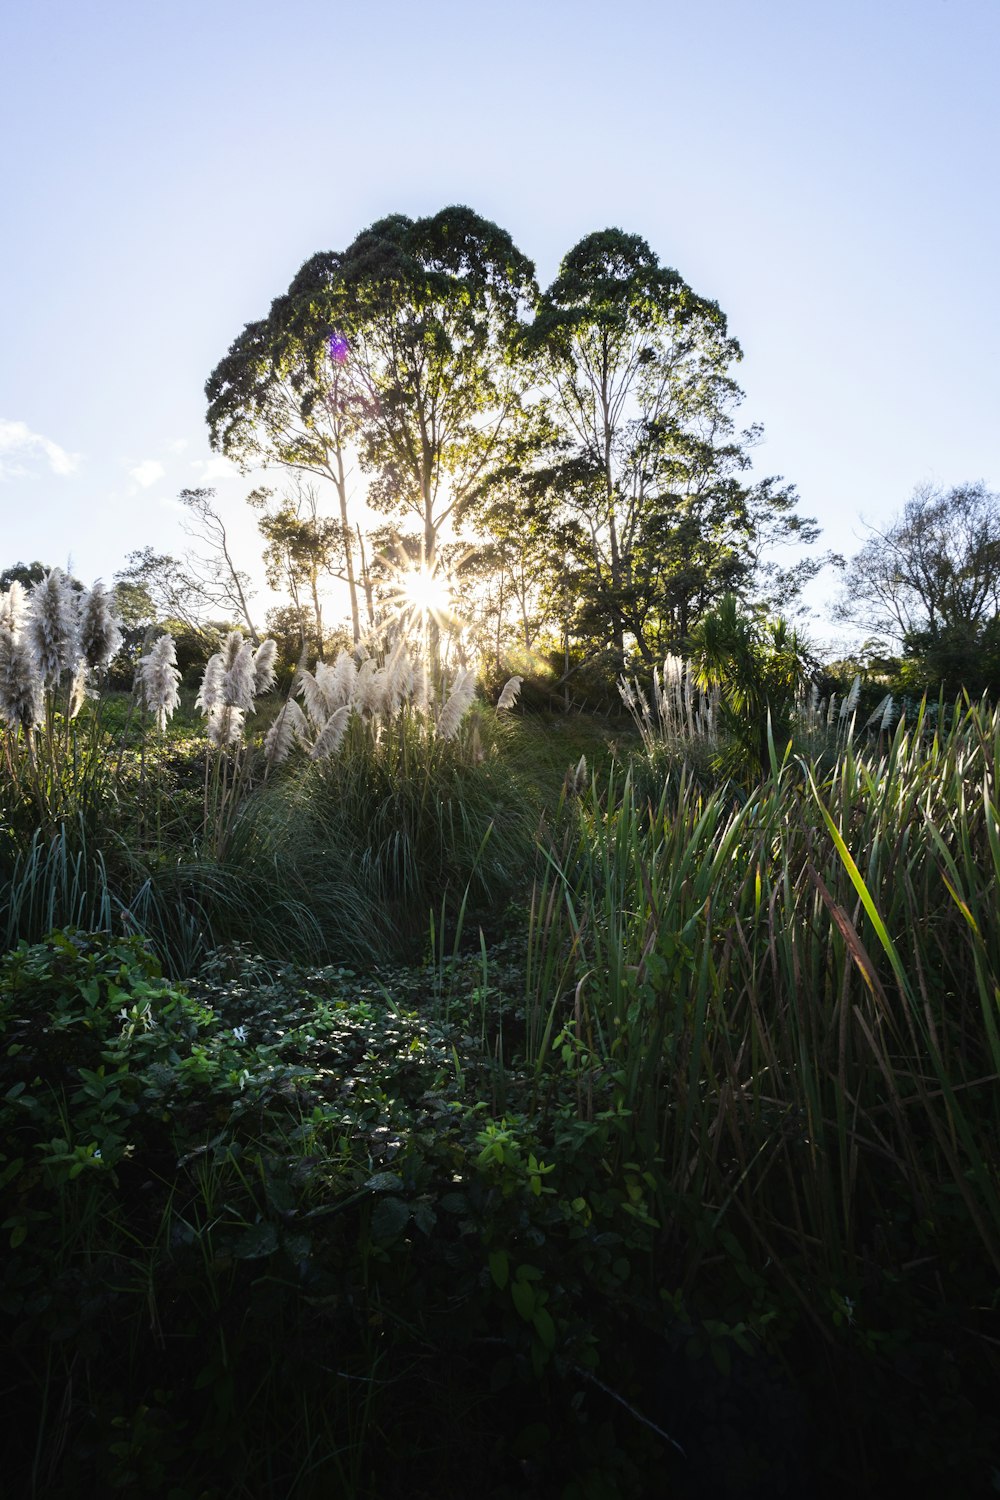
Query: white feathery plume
point(660, 697)
point(423, 696)
point(263, 666)
point(326, 681)
point(887, 717)
point(398, 679)
point(100, 634)
point(156, 678)
point(384, 693)
point(509, 692)
point(210, 694)
point(406, 676)
point(237, 680)
point(459, 702)
point(342, 678)
point(14, 609)
point(20, 684)
point(878, 714)
point(367, 690)
point(291, 724)
point(225, 725)
point(312, 696)
point(576, 776)
point(832, 709)
point(850, 703)
point(333, 731)
point(53, 625)
point(79, 691)
point(231, 647)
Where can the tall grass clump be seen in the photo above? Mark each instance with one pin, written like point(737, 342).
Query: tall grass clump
point(788, 1008)
point(55, 646)
point(400, 783)
point(678, 725)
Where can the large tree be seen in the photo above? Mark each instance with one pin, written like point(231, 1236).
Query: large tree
point(934, 570)
point(930, 585)
point(284, 394)
point(205, 582)
point(398, 348)
point(642, 451)
point(302, 548)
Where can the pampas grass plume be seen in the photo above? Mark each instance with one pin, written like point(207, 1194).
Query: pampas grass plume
point(367, 689)
point(157, 677)
point(100, 634)
point(20, 684)
point(291, 724)
point(238, 674)
point(210, 693)
point(342, 679)
point(313, 696)
point(333, 731)
point(14, 609)
point(52, 626)
point(509, 692)
point(263, 666)
point(459, 702)
point(850, 703)
point(225, 725)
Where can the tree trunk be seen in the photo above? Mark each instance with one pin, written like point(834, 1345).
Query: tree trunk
point(340, 481)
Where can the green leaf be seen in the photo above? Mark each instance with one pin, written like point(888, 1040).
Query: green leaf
point(544, 1327)
point(424, 1217)
point(256, 1241)
point(389, 1219)
point(385, 1182)
point(524, 1299)
point(499, 1268)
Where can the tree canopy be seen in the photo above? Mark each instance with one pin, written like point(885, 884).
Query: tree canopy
point(398, 346)
point(637, 458)
point(587, 431)
point(930, 584)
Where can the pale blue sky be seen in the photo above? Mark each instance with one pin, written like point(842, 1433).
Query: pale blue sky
point(828, 173)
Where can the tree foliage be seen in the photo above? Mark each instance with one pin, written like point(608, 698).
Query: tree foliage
point(637, 463)
point(302, 548)
point(930, 583)
point(397, 348)
point(587, 432)
point(758, 665)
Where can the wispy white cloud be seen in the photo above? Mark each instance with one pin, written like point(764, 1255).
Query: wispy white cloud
point(216, 467)
point(178, 445)
point(17, 442)
point(147, 473)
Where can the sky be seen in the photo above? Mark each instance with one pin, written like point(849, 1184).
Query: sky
point(827, 173)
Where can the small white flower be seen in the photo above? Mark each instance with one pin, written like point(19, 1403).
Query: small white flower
point(240, 1033)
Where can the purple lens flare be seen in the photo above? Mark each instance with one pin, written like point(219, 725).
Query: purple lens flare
point(339, 348)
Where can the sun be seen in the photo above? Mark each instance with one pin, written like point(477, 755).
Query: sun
point(426, 591)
